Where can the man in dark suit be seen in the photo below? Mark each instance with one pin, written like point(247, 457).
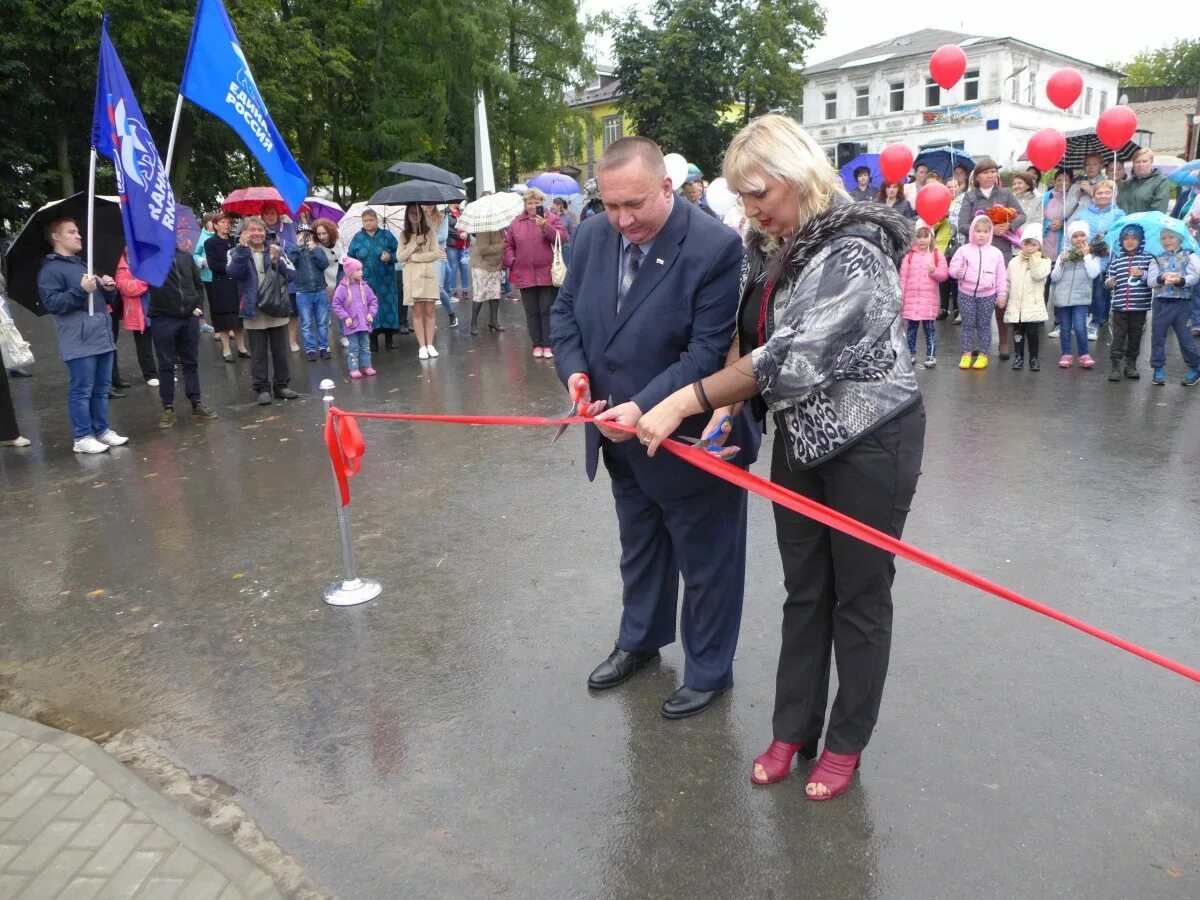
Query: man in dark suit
point(648, 307)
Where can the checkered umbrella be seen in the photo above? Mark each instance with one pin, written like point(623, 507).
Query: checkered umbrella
point(491, 213)
point(1081, 143)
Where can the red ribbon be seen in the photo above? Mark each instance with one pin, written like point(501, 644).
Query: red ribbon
point(344, 440)
point(755, 484)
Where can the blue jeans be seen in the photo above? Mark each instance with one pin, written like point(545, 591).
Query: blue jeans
point(1073, 319)
point(1101, 300)
point(458, 270)
point(87, 395)
point(358, 352)
point(314, 319)
point(1171, 315)
point(440, 274)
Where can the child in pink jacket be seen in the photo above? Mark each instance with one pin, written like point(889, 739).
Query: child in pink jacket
point(922, 268)
point(356, 306)
point(978, 267)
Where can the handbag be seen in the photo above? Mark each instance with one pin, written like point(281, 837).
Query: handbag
point(558, 268)
point(15, 350)
point(273, 297)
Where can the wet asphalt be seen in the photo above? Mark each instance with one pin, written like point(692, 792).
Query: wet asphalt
point(440, 741)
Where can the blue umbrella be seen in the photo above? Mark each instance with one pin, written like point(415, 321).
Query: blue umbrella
point(871, 161)
point(555, 183)
point(1153, 224)
point(1188, 175)
point(943, 160)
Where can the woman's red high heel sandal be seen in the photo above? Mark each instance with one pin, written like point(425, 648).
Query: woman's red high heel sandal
point(777, 760)
point(835, 771)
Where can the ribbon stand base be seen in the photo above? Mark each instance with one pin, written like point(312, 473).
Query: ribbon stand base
point(351, 590)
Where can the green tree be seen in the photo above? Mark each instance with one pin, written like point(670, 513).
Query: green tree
point(773, 38)
point(1176, 64)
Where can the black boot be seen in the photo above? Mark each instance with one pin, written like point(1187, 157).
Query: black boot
point(494, 316)
point(1018, 361)
point(389, 342)
point(1115, 374)
point(1035, 365)
point(373, 341)
point(475, 310)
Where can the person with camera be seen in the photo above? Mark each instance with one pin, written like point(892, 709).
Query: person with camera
point(310, 260)
point(262, 272)
point(528, 255)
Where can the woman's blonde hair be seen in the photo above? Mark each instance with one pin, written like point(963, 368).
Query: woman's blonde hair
point(1106, 183)
point(535, 194)
point(1144, 151)
point(775, 145)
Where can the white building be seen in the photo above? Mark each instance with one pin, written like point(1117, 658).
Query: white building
point(884, 94)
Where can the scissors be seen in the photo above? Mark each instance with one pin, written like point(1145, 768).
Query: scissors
point(579, 395)
point(708, 442)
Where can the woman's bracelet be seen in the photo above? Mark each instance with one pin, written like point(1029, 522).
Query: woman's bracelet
point(698, 387)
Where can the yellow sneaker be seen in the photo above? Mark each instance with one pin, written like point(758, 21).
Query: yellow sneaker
point(980, 362)
point(965, 362)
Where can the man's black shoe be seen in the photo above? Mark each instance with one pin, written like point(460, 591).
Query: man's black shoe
point(687, 702)
point(287, 394)
point(264, 398)
point(121, 384)
point(619, 668)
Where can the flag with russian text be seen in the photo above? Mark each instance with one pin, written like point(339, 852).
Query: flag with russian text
point(147, 204)
point(217, 77)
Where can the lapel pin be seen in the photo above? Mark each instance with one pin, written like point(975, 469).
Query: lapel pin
point(658, 261)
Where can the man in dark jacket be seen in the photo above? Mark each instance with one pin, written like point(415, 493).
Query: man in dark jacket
point(176, 309)
point(78, 301)
point(310, 260)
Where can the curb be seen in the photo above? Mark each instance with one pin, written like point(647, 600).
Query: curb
point(248, 877)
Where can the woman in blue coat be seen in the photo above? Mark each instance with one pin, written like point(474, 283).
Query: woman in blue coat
point(376, 249)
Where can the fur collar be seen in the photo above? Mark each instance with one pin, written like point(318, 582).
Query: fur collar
point(874, 222)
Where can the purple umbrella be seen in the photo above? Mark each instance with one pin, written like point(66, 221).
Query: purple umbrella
point(555, 183)
point(187, 229)
point(320, 208)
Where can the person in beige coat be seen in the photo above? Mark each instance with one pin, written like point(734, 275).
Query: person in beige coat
point(487, 263)
point(420, 254)
point(1026, 304)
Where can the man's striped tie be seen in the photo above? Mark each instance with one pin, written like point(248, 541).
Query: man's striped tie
point(631, 270)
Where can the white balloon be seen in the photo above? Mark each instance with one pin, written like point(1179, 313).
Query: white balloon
point(720, 198)
point(677, 169)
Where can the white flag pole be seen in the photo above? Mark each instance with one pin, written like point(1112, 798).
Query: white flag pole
point(174, 131)
point(485, 177)
point(91, 226)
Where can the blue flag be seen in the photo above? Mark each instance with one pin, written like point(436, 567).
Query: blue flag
point(147, 203)
point(217, 77)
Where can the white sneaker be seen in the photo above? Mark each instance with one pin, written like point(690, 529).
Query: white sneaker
point(18, 441)
point(152, 382)
point(89, 445)
point(432, 351)
point(423, 353)
point(1054, 333)
point(112, 439)
point(295, 348)
point(1093, 332)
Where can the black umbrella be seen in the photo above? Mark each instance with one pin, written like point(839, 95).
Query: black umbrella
point(417, 192)
point(428, 172)
point(24, 257)
point(1081, 143)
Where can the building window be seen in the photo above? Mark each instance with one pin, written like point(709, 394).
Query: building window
point(613, 130)
point(933, 93)
point(800, 109)
point(1103, 101)
point(1016, 89)
point(896, 96)
point(1087, 102)
point(971, 85)
point(830, 105)
point(862, 102)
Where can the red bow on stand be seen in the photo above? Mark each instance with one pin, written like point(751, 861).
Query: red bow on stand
point(345, 443)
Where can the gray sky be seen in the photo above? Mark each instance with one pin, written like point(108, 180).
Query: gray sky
point(1097, 37)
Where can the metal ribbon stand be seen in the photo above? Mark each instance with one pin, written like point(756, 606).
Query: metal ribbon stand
point(351, 590)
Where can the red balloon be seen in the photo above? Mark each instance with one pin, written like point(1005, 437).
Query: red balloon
point(1064, 88)
point(1116, 126)
point(933, 202)
point(947, 65)
point(1047, 148)
point(895, 162)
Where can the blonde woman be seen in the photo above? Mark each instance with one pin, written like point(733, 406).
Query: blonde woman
point(820, 345)
point(420, 254)
point(528, 255)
